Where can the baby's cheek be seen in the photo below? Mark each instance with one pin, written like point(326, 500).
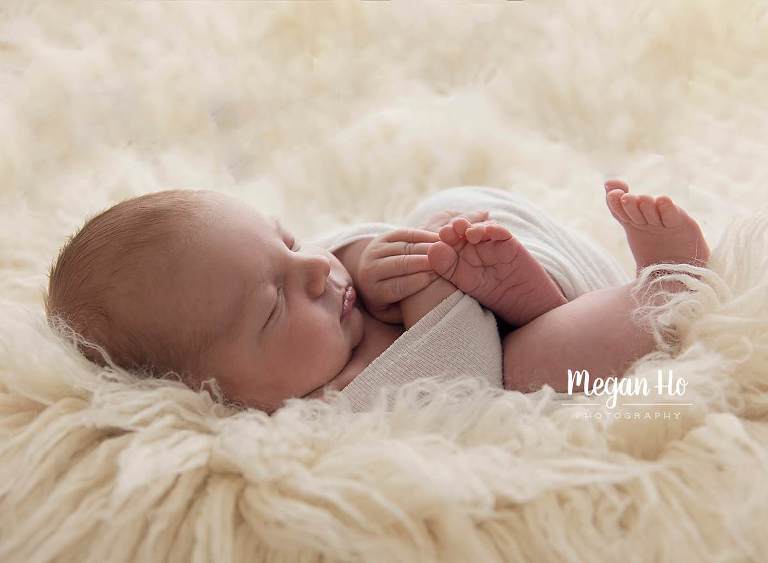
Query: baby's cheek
point(317, 336)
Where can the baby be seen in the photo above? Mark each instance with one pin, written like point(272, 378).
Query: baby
point(196, 283)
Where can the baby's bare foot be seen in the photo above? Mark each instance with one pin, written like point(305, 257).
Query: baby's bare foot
point(658, 231)
point(485, 261)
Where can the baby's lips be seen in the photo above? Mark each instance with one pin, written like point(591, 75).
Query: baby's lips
point(348, 299)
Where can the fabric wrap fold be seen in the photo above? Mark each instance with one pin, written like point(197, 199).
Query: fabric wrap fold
point(458, 337)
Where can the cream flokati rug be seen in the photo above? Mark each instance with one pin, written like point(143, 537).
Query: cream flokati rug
point(326, 113)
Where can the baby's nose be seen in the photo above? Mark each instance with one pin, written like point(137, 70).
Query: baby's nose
point(319, 267)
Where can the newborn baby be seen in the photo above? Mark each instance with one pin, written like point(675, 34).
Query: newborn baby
point(196, 283)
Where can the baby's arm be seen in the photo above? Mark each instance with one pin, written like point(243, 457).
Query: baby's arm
point(418, 305)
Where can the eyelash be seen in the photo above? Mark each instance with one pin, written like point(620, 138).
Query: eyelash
point(294, 246)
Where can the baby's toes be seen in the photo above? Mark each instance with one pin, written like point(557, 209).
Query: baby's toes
point(448, 235)
point(611, 185)
point(476, 233)
point(630, 205)
point(442, 258)
point(476, 216)
point(487, 230)
point(671, 215)
point(498, 232)
point(460, 225)
point(613, 198)
point(649, 211)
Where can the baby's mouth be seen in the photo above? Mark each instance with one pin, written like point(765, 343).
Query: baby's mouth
point(348, 299)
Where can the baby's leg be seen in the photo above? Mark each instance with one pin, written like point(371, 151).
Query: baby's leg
point(658, 231)
point(595, 331)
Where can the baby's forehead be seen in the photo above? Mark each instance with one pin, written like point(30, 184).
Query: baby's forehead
point(222, 207)
point(234, 237)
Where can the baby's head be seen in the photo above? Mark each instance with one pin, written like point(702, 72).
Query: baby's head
point(197, 283)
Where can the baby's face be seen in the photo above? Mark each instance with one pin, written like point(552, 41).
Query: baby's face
point(273, 304)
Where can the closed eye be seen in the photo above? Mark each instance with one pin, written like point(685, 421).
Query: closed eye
point(289, 240)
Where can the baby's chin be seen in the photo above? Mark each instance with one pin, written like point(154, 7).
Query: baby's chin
point(357, 324)
point(355, 329)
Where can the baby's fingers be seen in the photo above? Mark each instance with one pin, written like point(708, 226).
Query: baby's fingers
point(397, 289)
point(403, 249)
point(410, 236)
point(404, 241)
point(392, 266)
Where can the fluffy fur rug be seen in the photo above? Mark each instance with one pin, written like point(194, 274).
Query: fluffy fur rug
point(334, 112)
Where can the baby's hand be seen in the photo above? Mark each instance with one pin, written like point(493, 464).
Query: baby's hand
point(392, 267)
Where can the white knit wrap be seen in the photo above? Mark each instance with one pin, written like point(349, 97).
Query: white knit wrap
point(459, 337)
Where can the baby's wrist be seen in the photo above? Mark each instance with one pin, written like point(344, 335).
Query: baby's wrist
point(416, 306)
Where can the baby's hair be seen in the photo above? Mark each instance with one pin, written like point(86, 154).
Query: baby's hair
point(109, 264)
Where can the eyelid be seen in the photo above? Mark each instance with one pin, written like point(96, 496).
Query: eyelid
point(286, 235)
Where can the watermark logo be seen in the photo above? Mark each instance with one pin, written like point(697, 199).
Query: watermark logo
point(629, 392)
